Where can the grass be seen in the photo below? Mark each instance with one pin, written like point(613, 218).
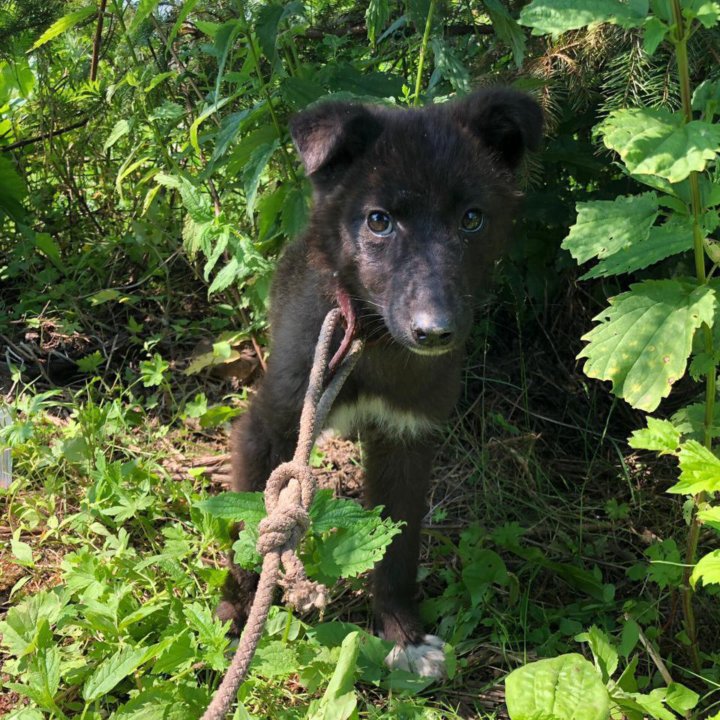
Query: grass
point(533, 480)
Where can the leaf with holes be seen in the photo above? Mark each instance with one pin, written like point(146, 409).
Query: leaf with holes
point(644, 338)
point(657, 142)
point(663, 241)
point(604, 227)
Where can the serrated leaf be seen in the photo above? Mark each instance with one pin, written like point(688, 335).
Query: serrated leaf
point(226, 277)
point(112, 670)
point(253, 172)
point(328, 512)
point(603, 227)
point(644, 338)
point(275, 659)
point(552, 690)
point(247, 506)
point(196, 202)
point(690, 421)
point(660, 436)
point(506, 28)
point(657, 142)
point(449, 66)
point(662, 242)
point(707, 569)
point(555, 17)
point(349, 552)
point(699, 470)
point(64, 24)
point(710, 516)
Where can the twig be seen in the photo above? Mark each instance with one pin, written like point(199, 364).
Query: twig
point(653, 653)
point(97, 41)
point(45, 135)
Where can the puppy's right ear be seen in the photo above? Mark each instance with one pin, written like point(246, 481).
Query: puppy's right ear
point(331, 135)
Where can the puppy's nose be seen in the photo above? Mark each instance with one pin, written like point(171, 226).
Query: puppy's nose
point(432, 331)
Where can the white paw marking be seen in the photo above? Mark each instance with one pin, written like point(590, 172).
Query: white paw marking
point(426, 659)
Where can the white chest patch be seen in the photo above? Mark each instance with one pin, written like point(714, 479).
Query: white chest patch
point(372, 410)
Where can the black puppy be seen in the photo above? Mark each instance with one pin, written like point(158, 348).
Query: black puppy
point(411, 208)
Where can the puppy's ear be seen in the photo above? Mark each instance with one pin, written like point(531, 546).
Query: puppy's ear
point(507, 121)
point(331, 135)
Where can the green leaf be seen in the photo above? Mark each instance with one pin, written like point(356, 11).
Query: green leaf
point(699, 470)
point(339, 700)
point(664, 241)
point(654, 32)
point(226, 277)
point(604, 227)
point(204, 115)
point(328, 512)
point(144, 10)
point(247, 506)
point(275, 659)
point(63, 24)
point(710, 516)
point(348, 552)
point(12, 190)
point(449, 66)
point(223, 44)
point(657, 142)
point(661, 436)
point(506, 28)
point(605, 654)
point(644, 338)
point(707, 569)
point(484, 568)
point(253, 172)
point(45, 243)
point(563, 688)
point(187, 7)
point(121, 128)
point(196, 202)
point(680, 698)
point(22, 552)
point(376, 17)
point(112, 670)
point(706, 12)
point(555, 17)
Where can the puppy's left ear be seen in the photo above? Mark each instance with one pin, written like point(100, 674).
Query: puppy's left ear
point(507, 121)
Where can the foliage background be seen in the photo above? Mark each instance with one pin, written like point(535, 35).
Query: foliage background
point(147, 185)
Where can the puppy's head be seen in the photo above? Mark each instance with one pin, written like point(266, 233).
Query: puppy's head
point(412, 207)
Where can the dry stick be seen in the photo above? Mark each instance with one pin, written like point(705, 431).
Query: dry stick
point(45, 135)
point(288, 496)
point(97, 41)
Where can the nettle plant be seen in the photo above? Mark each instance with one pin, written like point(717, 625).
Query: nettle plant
point(651, 335)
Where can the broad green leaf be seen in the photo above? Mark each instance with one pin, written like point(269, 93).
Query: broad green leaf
point(204, 115)
point(121, 128)
point(247, 506)
point(144, 9)
point(699, 470)
point(196, 202)
point(690, 421)
point(563, 688)
point(555, 17)
point(660, 436)
point(663, 241)
point(710, 516)
point(253, 172)
point(707, 569)
point(45, 243)
point(449, 66)
point(12, 190)
point(63, 24)
point(112, 670)
point(644, 338)
point(706, 12)
point(483, 569)
point(275, 659)
point(266, 28)
point(680, 698)
point(654, 32)
point(224, 38)
point(657, 142)
point(347, 553)
point(226, 277)
point(328, 512)
point(706, 98)
point(603, 227)
point(604, 652)
point(22, 552)
point(339, 700)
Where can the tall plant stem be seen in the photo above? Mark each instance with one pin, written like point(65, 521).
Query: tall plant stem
point(680, 39)
point(423, 50)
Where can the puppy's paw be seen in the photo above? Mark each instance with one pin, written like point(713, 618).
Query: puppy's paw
point(425, 658)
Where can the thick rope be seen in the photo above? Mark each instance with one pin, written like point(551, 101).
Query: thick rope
point(289, 492)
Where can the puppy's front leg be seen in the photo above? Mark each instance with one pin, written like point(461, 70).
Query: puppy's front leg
point(398, 476)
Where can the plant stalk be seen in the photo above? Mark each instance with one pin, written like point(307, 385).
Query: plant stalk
point(680, 38)
point(423, 50)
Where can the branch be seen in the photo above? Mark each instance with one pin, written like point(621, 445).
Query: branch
point(97, 40)
point(45, 135)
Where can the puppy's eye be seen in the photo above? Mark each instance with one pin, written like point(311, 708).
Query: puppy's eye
point(380, 223)
point(473, 221)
